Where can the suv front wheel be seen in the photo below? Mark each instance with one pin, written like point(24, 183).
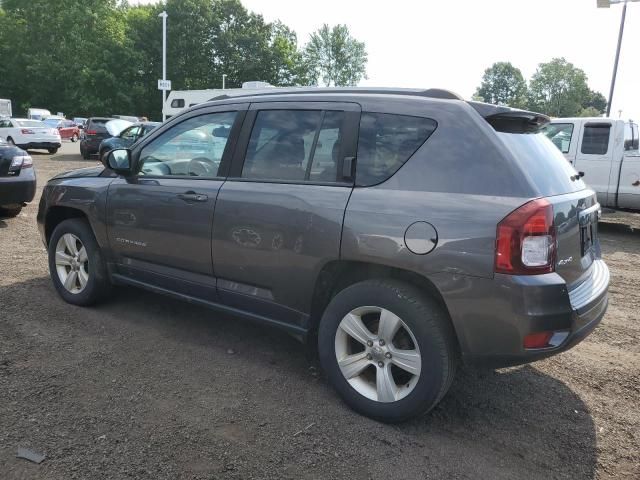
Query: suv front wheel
point(76, 264)
point(388, 349)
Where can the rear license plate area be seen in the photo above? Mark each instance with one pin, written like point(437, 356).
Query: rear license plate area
point(588, 231)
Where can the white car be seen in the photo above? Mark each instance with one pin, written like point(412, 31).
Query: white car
point(29, 134)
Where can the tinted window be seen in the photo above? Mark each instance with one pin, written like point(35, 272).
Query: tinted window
point(177, 103)
point(542, 163)
point(193, 147)
point(596, 138)
point(294, 145)
point(130, 133)
point(560, 134)
point(386, 142)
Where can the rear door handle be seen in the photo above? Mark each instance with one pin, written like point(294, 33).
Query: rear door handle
point(193, 197)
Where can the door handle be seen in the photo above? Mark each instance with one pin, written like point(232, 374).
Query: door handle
point(193, 197)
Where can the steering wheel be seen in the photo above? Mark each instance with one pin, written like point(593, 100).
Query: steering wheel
point(202, 167)
point(154, 166)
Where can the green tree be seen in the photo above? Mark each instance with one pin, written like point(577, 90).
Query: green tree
point(596, 101)
point(334, 57)
point(559, 89)
point(503, 84)
point(590, 112)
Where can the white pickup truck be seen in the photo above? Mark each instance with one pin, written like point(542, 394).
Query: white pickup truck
point(606, 151)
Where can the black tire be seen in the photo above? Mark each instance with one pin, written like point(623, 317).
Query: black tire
point(428, 324)
point(52, 151)
point(98, 286)
point(84, 153)
point(10, 212)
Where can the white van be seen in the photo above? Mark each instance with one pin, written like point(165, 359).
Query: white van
point(5, 108)
point(605, 151)
point(178, 100)
point(38, 114)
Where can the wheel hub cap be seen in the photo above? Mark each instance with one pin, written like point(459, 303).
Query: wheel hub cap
point(377, 354)
point(72, 263)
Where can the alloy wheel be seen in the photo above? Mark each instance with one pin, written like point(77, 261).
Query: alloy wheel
point(378, 354)
point(72, 263)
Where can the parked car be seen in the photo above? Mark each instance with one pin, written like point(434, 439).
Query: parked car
point(67, 129)
point(126, 137)
point(5, 108)
point(98, 129)
point(17, 179)
point(30, 134)
point(396, 231)
point(604, 151)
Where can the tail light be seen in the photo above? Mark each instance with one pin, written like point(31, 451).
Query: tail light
point(90, 132)
point(526, 240)
point(20, 161)
point(27, 131)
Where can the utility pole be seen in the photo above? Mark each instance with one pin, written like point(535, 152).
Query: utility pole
point(164, 59)
point(615, 65)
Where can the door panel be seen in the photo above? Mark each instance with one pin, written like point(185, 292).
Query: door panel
point(271, 236)
point(270, 240)
point(629, 187)
point(594, 156)
point(160, 221)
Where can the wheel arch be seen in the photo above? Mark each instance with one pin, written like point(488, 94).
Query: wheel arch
point(339, 274)
point(58, 214)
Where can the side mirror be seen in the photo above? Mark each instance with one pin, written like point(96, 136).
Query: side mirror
point(119, 161)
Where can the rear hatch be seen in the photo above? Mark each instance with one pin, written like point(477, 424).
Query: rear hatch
point(575, 207)
point(96, 129)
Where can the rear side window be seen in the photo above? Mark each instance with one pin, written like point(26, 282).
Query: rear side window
point(386, 142)
point(177, 103)
point(560, 134)
point(542, 163)
point(295, 145)
point(596, 138)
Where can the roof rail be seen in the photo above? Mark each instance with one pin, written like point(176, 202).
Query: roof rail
point(430, 93)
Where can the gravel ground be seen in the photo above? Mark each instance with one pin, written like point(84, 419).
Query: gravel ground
point(147, 387)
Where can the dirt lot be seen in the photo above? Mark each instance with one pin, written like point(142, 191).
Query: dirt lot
point(147, 387)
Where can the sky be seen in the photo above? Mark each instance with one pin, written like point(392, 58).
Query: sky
point(449, 44)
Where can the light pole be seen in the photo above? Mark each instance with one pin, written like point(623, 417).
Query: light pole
point(164, 59)
point(224, 78)
point(607, 4)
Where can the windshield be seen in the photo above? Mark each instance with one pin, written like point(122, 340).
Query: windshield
point(542, 163)
point(30, 123)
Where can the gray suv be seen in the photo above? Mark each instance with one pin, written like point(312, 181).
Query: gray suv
point(399, 232)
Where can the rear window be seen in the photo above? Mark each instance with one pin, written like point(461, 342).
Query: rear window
point(595, 140)
point(560, 135)
point(542, 163)
point(30, 123)
point(386, 142)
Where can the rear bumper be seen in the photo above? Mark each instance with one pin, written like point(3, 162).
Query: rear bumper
point(18, 189)
point(90, 144)
point(42, 144)
point(492, 317)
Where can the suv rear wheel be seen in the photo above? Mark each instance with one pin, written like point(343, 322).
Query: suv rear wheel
point(76, 265)
point(10, 212)
point(387, 349)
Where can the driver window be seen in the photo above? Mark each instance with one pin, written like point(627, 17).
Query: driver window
point(191, 148)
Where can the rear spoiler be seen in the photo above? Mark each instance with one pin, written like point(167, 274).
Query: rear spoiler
point(510, 120)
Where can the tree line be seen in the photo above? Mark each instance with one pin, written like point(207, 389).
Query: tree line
point(104, 57)
point(557, 88)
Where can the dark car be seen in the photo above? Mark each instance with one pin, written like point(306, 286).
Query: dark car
point(127, 137)
point(97, 130)
point(399, 232)
point(17, 179)
point(68, 129)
